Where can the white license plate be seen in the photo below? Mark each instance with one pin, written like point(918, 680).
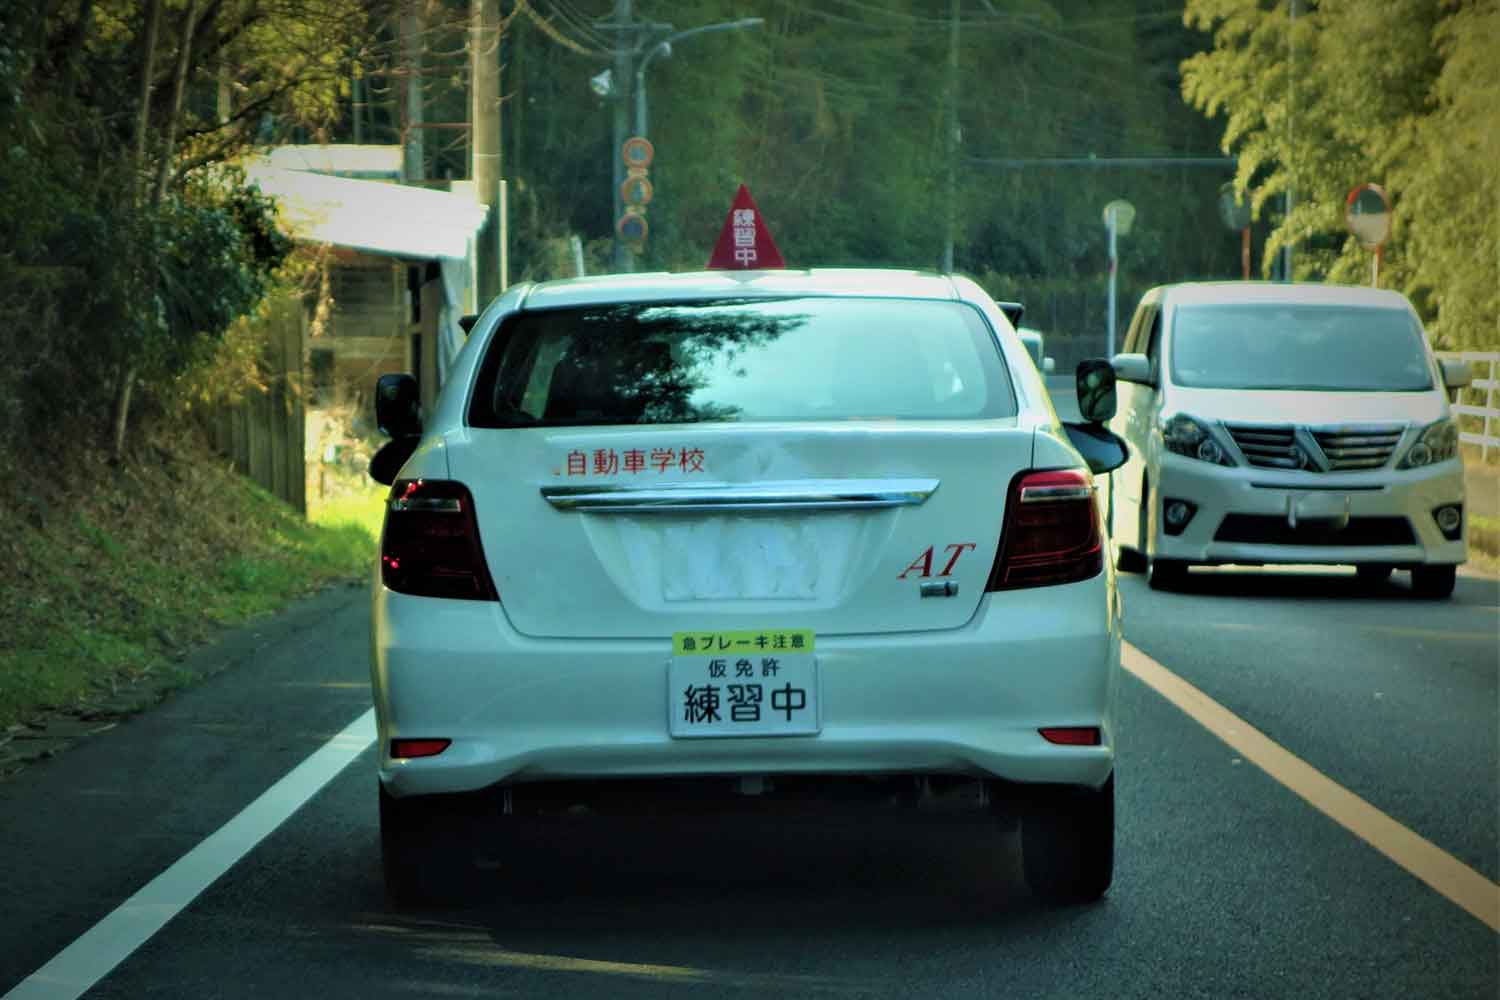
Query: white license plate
point(754, 690)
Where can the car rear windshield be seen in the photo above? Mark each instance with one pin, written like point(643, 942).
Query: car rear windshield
point(742, 360)
point(1334, 348)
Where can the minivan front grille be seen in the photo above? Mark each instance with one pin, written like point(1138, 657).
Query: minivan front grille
point(1272, 529)
point(1271, 447)
point(1358, 447)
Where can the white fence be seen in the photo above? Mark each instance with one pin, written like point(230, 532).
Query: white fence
point(1480, 399)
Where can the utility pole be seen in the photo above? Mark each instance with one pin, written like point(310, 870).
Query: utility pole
point(484, 56)
point(413, 170)
point(951, 212)
point(624, 260)
point(1289, 199)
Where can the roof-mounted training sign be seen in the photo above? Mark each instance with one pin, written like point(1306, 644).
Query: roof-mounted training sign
point(744, 242)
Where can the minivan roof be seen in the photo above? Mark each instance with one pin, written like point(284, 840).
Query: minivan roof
point(1303, 293)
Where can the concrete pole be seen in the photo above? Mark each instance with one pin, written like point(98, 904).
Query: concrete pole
point(1290, 199)
point(413, 170)
point(1114, 267)
point(951, 208)
point(484, 55)
point(623, 258)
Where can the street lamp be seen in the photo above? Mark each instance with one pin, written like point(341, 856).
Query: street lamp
point(1119, 216)
point(664, 47)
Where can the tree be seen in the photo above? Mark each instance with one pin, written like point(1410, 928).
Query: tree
point(1400, 93)
point(127, 245)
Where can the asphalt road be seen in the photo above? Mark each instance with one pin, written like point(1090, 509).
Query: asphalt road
point(1228, 883)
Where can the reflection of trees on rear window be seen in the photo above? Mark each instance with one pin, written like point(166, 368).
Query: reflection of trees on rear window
point(1312, 347)
point(785, 359)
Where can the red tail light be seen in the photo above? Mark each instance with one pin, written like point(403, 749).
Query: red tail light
point(1051, 532)
point(430, 545)
point(1072, 736)
point(408, 749)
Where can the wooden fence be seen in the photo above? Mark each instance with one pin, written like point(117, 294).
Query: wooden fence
point(1479, 401)
point(265, 434)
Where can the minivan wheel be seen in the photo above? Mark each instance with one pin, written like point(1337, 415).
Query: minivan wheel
point(1130, 561)
point(1433, 583)
point(426, 849)
point(1068, 845)
point(1167, 574)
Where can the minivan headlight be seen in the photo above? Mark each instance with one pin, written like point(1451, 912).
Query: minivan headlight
point(1184, 435)
point(1437, 443)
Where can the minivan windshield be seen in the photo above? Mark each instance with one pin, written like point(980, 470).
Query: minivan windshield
point(1334, 348)
point(811, 358)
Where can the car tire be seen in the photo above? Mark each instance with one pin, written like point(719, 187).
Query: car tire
point(426, 850)
point(1130, 561)
point(1167, 574)
point(1068, 845)
point(1371, 574)
point(1138, 559)
point(1433, 583)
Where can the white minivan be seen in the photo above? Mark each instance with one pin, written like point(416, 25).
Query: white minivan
point(1286, 423)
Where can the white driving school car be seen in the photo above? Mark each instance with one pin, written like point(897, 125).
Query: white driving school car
point(746, 533)
point(1287, 423)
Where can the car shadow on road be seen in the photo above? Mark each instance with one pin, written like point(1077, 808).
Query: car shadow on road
point(758, 903)
point(1331, 585)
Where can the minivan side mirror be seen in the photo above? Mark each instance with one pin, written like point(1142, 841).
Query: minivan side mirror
point(398, 410)
point(1095, 381)
point(1456, 374)
point(1013, 312)
point(1132, 368)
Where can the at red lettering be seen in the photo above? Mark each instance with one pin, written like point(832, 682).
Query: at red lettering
point(923, 562)
point(958, 549)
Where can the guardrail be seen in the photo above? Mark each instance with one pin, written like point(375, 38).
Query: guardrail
point(1486, 386)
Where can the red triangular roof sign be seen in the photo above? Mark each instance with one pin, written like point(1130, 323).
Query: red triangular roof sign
point(744, 242)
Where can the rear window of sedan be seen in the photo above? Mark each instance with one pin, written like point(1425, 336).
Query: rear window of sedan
point(794, 359)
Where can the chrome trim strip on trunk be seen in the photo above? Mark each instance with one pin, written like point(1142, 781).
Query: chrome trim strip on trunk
point(801, 494)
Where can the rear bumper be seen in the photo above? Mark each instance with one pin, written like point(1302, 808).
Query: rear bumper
point(1251, 515)
point(964, 701)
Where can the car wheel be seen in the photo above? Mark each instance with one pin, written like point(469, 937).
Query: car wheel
point(1068, 845)
point(1373, 573)
point(1135, 560)
point(1433, 583)
point(1167, 574)
point(425, 849)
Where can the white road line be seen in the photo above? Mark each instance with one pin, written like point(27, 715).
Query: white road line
point(80, 965)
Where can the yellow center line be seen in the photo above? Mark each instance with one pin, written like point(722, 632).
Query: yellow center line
point(1452, 878)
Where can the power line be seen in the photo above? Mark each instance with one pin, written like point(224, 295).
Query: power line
point(580, 23)
point(551, 31)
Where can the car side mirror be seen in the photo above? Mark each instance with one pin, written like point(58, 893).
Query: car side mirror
point(1456, 374)
point(1132, 368)
point(1095, 381)
point(467, 322)
point(398, 407)
point(387, 462)
point(1102, 450)
point(1013, 312)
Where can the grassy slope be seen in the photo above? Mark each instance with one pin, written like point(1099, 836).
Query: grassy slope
point(114, 572)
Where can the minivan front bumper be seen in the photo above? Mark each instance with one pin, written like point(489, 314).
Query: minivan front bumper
point(1255, 515)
